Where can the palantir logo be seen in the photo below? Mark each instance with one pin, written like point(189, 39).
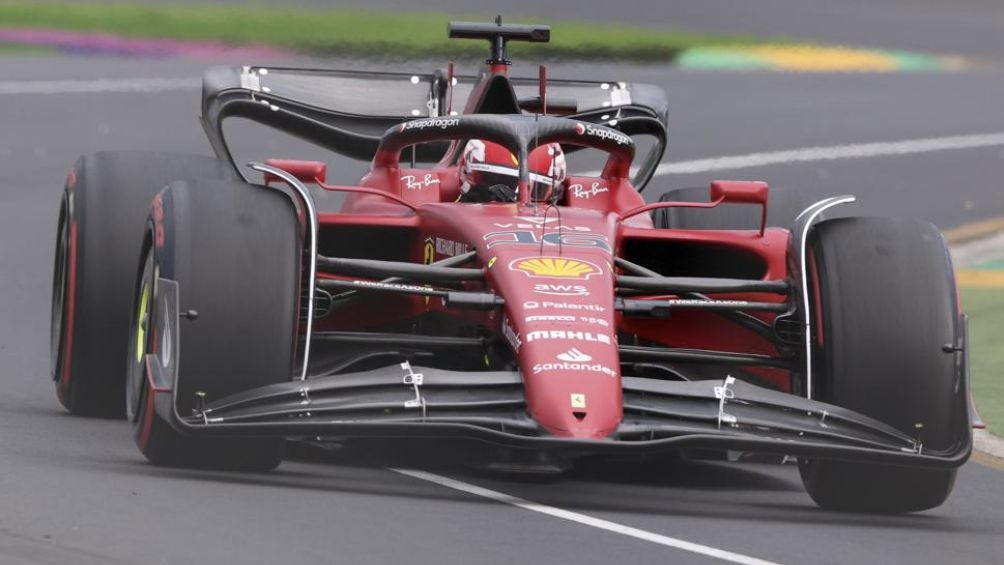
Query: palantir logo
point(573, 355)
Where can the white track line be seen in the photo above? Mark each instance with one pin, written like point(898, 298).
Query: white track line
point(583, 519)
point(832, 153)
point(99, 86)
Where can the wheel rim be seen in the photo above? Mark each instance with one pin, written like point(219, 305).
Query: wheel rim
point(140, 336)
point(59, 289)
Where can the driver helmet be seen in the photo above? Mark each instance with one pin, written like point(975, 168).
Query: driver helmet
point(485, 164)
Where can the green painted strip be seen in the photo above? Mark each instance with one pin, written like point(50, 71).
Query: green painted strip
point(721, 59)
point(917, 62)
point(343, 31)
point(996, 264)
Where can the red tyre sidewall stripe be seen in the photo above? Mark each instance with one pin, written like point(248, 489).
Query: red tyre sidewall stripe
point(71, 309)
point(143, 441)
point(149, 409)
point(817, 302)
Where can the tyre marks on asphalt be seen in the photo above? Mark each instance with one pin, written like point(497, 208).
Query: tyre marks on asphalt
point(583, 519)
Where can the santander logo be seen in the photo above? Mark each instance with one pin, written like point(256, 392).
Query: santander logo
point(573, 355)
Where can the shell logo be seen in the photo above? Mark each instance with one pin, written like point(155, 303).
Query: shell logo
point(555, 267)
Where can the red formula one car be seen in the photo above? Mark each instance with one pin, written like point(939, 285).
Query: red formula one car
point(548, 315)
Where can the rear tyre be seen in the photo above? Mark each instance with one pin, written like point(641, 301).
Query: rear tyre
point(233, 250)
point(886, 303)
point(101, 217)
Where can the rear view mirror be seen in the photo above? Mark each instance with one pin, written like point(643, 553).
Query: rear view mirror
point(739, 191)
point(304, 171)
point(742, 192)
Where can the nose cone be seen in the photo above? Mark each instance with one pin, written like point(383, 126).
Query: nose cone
point(574, 391)
point(568, 355)
point(556, 275)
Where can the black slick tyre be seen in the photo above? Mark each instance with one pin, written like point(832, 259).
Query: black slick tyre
point(105, 202)
point(886, 301)
point(233, 250)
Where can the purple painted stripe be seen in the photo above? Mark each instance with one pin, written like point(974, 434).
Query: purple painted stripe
point(104, 43)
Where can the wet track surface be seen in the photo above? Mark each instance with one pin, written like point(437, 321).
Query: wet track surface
point(77, 491)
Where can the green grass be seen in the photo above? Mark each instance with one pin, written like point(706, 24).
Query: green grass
point(344, 32)
point(985, 307)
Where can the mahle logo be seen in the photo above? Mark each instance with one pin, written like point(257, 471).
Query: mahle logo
point(555, 267)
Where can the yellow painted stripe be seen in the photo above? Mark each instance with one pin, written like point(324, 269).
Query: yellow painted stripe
point(817, 58)
point(975, 230)
point(980, 278)
point(987, 460)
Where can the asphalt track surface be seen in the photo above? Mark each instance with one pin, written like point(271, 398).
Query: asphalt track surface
point(77, 491)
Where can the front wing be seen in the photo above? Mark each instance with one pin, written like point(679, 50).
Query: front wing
point(401, 401)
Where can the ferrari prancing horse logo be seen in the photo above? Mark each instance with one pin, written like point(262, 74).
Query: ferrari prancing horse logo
point(555, 267)
point(429, 257)
point(429, 252)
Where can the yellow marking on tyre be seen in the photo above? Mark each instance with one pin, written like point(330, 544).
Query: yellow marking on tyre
point(144, 302)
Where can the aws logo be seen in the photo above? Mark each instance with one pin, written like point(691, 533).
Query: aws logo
point(561, 289)
point(555, 267)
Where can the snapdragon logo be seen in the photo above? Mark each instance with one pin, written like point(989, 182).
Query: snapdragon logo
point(603, 133)
point(441, 123)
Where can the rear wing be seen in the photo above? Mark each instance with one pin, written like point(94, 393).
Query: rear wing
point(348, 111)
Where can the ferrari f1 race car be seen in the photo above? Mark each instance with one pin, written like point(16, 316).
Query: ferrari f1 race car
point(557, 317)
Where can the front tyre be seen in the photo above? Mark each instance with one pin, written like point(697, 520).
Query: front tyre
point(233, 250)
point(885, 298)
